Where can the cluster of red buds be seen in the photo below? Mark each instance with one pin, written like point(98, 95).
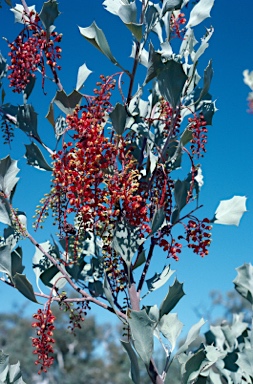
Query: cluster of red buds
point(43, 342)
point(176, 23)
point(173, 248)
point(30, 50)
point(199, 137)
point(198, 236)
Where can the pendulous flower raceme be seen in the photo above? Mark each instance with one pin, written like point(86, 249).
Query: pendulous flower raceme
point(44, 340)
point(30, 51)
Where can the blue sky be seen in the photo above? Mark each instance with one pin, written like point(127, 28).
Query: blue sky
point(227, 166)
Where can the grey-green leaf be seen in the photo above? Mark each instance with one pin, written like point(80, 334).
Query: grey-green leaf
point(5, 212)
point(208, 75)
point(172, 298)
point(24, 286)
point(8, 172)
point(171, 82)
point(82, 75)
point(171, 5)
point(96, 37)
point(118, 117)
point(27, 120)
point(244, 281)
point(158, 219)
point(134, 372)
point(5, 259)
point(159, 279)
point(171, 328)
point(192, 335)
point(128, 14)
point(67, 103)
point(49, 13)
point(142, 332)
point(35, 158)
point(16, 261)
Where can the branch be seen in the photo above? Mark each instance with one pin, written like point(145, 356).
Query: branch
point(147, 264)
point(85, 295)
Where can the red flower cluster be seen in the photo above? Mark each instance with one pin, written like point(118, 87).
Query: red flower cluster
point(199, 137)
point(175, 24)
point(43, 343)
point(198, 236)
point(27, 53)
point(95, 178)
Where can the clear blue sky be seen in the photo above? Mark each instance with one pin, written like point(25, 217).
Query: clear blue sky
point(227, 167)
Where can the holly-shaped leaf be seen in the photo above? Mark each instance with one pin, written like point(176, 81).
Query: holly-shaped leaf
point(175, 293)
point(8, 172)
point(200, 12)
point(96, 37)
point(24, 286)
point(192, 335)
point(171, 5)
point(170, 327)
point(35, 158)
point(229, 212)
point(67, 103)
point(27, 120)
point(134, 372)
point(159, 279)
point(82, 75)
point(5, 212)
point(5, 259)
point(3, 66)
point(128, 14)
point(118, 117)
point(244, 281)
point(16, 261)
point(49, 13)
point(142, 328)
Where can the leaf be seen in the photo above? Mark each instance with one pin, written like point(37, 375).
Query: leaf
point(19, 13)
point(5, 259)
point(40, 262)
point(8, 2)
point(229, 212)
point(142, 333)
point(16, 261)
point(4, 362)
point(29, 88)
point(60, 127)
point(5, 212)
point(14, 372)
point(171, 81)
point(50, 114)
point(97, 38)
point(35, 158)
point(192, 335)
point(171, 328)
point(171, 5)
point(134, 372)
point(27, 120)
point(113, 6)
point(200, 12)
point(52, 277)
point(49, 13)
point(245, 361)
point(208, 74)
point(128, 14)
point(158, 220)
point(172, 298)
point(181, 189)
point(8, 172)
point(194, 366)
point(140, 260)
point(67, 103)
point(3, 68)
point(118, 117)
point(159, 279)
point(82, 75)
point(24, 286)
point(126, 241)
point(244, 281)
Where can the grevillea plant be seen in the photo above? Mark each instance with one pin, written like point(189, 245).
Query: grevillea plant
point(115, 196)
